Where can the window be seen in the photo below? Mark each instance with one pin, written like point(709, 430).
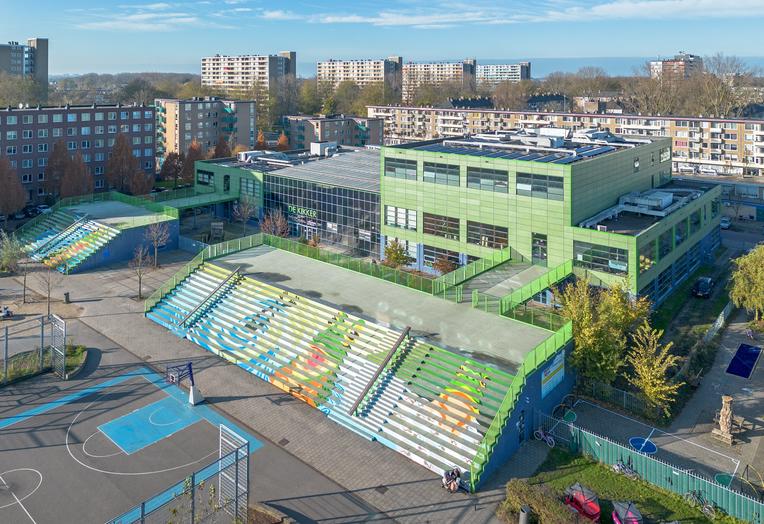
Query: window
point(27, 134)
point(444, 174)
point(148, 139)
point(695, 222)
point(665, 244)
point(71, 131)
point(137, 153)
point(112, 129)
point(26, 163)
point(205, 177)
point(40, 177)
point(98, 117)
point(42, 133)
point(85, 131)
point(136, 115)
point(123, 115)
point(99, 142)
point(539, 249)
point(26, 178)
point(10, 150)
point(400, 168)
point(148, 164)
point(42, 162)
point(148, 152)
point(98, 171)
point(99, 130)
point(136, 128)
point(99, 157)
point(71, 146)
point(249, 187)
point(636, 164)
point(647, 255)
point(400, 217)
point(27, 119)
point(99, 183)
point(12, 120)
point(58, 132)
point(112, 115)
point(26, 148)
point(11, 135)
point(441, 226)
point(124, 128)
point(148, 127)
point(42, 119)
point(57, 119)
point(487, 179)
point(680, 232)
point(42, 148)
point(148, 114)
point(86, 158)
point(71, 117)
point(110, 142)
point(487, 235)
point(431, 254)
point(136, 140)
point(85, 144)
point(540, 186)
point(600, 258)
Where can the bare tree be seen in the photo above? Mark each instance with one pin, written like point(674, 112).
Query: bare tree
point(76, 180)
point(172, 167)
point(194, 153)
point(652, 96)
point(141, 264)
point(12, 194)
point(275, 223)
point(49, 279)
point(122, 165)
point(243, 210)
point(58, 163)
point(157, 235)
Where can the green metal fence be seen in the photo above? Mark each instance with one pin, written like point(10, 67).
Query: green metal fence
point(177, 194)
point(464, 273)
point(618, 398)
point(652, 470)
point(536, 286)
point(533, 360)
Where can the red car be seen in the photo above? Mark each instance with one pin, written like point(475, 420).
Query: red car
point(583, 501)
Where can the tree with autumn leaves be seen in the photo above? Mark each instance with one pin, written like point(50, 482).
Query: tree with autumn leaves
point(123, 170)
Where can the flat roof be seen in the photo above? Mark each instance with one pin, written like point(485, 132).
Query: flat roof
point(457, 327)
point(355, 169)
point(117, 214)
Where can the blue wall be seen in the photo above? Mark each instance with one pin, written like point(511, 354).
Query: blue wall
point(519, 427)
point(122, 247)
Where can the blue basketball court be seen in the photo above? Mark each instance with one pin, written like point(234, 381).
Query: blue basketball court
point(745, 360)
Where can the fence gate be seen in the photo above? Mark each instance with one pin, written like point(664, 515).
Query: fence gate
point(233, 480)
point(58, 345)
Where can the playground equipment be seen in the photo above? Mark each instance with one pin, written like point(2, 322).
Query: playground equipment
point(583, 501)
point(175, 374)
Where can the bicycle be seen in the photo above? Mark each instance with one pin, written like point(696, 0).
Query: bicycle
point(626, 470)
point(696, 500)
point(540, 434)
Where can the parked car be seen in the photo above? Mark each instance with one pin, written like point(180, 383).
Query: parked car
point(42, 208)
point(31, 211)
point(703, 287)
point(725, 222)
point(19, 215)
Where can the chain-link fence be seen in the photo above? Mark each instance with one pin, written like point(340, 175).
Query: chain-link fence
point(619, 398)
point(655, 471)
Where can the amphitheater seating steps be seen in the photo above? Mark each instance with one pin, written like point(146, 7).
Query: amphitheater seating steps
point(428, 403)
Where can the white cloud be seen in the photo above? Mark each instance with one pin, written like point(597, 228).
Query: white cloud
point(147, 17)
point(279, 14)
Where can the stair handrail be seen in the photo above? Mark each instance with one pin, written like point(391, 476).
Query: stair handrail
point(58, 236)
point(379, 370)
point(204, 301)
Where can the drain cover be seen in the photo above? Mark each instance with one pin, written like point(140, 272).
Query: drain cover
point(283, 442)
point(381, 489)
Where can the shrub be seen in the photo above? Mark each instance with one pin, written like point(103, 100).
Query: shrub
point(547, 508)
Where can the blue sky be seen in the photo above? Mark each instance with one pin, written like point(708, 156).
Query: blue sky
point(120, 35)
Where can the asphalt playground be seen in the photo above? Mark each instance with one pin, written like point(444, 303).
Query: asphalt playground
point(91, 454)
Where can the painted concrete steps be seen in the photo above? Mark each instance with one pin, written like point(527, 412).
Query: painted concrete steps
point(46, 229)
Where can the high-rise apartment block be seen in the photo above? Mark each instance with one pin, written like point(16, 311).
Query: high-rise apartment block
point(417, 74)
point(681, 66)
point(701, 145)
point(387, 71)
point(245, 72)
point(26, 60)
point(180, 122)
point(497, 73)
point(344, 130)
point(27, 136)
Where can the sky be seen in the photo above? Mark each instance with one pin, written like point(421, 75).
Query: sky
point(118, 36)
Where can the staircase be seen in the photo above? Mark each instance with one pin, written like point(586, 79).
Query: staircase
point(45, 229)
point(430, 404)
point(72, 245)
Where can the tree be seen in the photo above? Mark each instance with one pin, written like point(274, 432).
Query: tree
point(193, 154)
point(513, 95)
point(11, 252)
point(141, 183)
point(49, 279)
point(310, 97)
point(58, 162)
point(651, 362)
point(139, 91)
point(172, 167)
point(76, 180)
point(141, 264)
point(652, 96)
point(12, 194)
point(283, 144)
point(603, 320)
point(122, 167)
point(157, 234)
point(222, 149)
point(260, 144)
point(443, 265)
point(329, 106)
point(15, 90)
point(243, 210)
point(275, 223)
point(747, 282)
point(396, 255)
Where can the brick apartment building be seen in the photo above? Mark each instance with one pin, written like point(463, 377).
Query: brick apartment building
point(345, 130)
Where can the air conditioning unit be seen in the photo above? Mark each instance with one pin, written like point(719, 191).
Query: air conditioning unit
point(601, 228)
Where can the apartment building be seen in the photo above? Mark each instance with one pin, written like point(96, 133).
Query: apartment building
point(683, 65)
point(497, 73)
point(387, 71)
point(701, 145)
point(30, 59)
point(240, 73)
point(204, 119)
point(355, 131)
point(27, 136)
point(416, 74)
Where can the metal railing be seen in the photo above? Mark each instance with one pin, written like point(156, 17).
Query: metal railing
point(536, 286)
point(379, 370)
point(471, 270)
point(227, 279)
point(533, 360)
point(655, 471)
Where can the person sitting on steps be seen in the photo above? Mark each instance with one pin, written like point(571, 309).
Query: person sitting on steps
point(7, 313)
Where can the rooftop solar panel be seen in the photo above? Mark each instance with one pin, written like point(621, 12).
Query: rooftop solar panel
point(597, 151)
point(566, 160)
point(548, 158)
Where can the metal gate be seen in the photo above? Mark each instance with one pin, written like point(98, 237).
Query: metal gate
point(58, 345)
point(233, 479)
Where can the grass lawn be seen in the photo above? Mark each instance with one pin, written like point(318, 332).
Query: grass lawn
point(561, 469)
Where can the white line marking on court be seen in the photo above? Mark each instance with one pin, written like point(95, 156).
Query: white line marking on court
point(86, 452)
point(121, 473)
point(18, 500)
point(151, 421)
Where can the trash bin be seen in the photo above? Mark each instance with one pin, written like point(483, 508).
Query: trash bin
point(66, 298)
point(525, 514)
